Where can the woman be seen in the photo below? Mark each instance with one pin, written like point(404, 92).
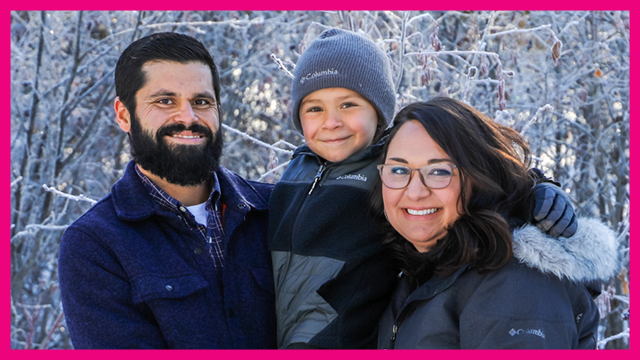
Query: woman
point(450, 178)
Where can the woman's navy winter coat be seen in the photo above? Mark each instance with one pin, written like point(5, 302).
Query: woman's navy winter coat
point(516, 307)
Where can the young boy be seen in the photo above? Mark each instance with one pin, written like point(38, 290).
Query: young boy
point(332, 278)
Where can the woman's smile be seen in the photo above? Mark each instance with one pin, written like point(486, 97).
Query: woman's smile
point(423, 212)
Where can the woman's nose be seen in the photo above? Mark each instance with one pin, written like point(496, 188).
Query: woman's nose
point(416, 189)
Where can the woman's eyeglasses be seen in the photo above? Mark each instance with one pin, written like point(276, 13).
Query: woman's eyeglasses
point(434, 176)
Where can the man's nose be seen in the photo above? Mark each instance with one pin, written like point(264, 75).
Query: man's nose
point(186, 114)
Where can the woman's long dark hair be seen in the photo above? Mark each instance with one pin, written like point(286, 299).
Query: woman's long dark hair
point(493, 161)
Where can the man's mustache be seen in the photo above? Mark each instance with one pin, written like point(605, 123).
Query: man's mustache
point(171, 129)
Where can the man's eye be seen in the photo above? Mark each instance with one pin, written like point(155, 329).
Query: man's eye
point(400, 170)
point(202, 102)
point(165, 101)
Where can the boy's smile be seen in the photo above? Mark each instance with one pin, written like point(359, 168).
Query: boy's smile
point(337, 123)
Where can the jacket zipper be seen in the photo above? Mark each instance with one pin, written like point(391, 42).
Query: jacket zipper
point(404, 310)
point(396, 327)
point(317, 178)
point(399, 320)
point(393, 336)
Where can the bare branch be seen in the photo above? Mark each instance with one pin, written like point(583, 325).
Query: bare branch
point(68, 196)
point(281, 65)
point(273, 171)
point(602, 343)
point(256, 141)
point(518, 31)
point(535, 117)
point(17, 180)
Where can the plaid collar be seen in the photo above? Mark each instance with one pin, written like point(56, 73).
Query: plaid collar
point(166, 201)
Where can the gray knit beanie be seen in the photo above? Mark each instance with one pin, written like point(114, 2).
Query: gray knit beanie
point(341, 58)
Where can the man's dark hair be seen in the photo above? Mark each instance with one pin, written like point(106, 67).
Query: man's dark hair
point(165, 46)
point(493, 161)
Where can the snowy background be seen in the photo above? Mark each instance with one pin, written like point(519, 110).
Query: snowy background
point(561, 78)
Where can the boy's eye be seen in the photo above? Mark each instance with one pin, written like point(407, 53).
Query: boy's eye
point(348, 105)
point(314, 109)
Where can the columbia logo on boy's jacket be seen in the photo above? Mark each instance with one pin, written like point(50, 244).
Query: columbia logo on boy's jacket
point(359, 177)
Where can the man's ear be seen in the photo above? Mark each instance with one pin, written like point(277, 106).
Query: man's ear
point(122, 115)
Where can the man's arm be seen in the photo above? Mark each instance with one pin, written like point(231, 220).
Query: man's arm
point(97, 299)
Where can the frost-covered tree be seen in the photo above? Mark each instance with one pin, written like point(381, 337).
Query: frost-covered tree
point(560, 78)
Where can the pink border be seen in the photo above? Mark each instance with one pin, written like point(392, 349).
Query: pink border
point(280, 5)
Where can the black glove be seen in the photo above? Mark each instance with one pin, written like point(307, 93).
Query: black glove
point(553, 211)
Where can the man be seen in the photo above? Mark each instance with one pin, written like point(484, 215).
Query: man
point(175, 256)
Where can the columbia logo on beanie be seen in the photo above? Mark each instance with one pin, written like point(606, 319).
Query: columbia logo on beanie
point(318, 73)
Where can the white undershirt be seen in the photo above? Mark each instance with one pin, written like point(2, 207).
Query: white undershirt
point(199, 212)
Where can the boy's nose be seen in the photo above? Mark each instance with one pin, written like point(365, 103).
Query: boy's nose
point(332, 122)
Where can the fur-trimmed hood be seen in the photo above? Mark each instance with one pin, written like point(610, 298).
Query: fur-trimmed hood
point(591, 254)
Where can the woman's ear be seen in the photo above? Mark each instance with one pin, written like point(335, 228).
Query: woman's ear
point(122, 115)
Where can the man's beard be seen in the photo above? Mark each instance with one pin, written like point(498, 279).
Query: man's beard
point(183, 165)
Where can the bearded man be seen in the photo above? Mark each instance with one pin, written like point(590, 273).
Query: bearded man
point(175, 256)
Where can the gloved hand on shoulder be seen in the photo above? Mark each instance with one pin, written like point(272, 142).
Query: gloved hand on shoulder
point(553, 212)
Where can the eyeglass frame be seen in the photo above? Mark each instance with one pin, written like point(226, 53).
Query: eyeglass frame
point(381, 166)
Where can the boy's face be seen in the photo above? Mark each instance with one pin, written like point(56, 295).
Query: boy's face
point(337, 123)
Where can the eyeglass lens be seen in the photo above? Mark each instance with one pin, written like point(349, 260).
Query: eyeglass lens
point(435, 176)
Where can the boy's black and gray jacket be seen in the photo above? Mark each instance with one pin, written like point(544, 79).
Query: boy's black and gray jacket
point(333, 278)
